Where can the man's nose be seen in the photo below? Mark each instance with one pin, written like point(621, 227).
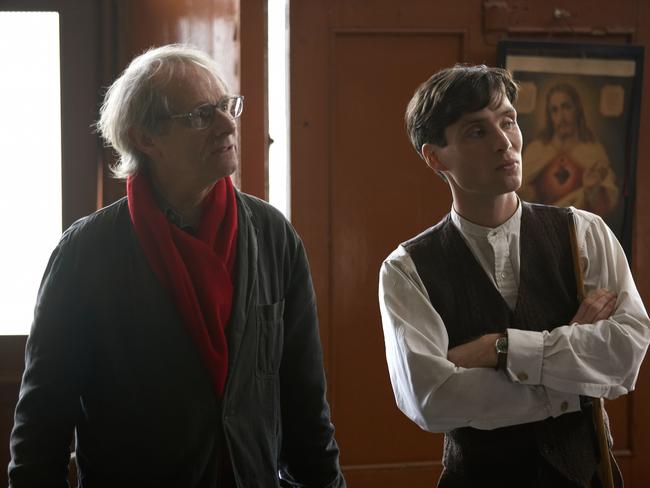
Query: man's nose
point(223, 123)
point(501, 140)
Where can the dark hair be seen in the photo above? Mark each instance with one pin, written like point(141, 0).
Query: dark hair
point(584, 133)
point(448, 95)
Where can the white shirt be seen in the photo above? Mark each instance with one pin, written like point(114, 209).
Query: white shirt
point(546, 371)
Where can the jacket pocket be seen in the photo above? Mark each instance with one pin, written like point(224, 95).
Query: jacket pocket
point(270, 335)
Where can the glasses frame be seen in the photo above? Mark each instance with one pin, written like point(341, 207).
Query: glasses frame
point(221, 106)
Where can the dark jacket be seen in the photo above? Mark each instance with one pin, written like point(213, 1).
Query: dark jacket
point(109, 356)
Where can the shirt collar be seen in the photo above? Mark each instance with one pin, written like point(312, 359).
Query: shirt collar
point(172, 215)
point(469, 228)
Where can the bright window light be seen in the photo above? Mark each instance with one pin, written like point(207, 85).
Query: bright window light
point(278, 86)
point(30, 145)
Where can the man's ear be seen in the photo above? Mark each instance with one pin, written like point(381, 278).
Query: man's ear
point(142, 140)
point(429, 153)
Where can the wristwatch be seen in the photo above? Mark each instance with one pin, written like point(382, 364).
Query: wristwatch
point(501, 346)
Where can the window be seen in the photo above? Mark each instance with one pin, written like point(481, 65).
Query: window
point(278, 89)
point(30, 142)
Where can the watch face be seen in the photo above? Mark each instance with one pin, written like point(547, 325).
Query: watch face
point(502, 345)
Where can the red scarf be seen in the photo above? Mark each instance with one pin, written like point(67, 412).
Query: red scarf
point(198, 271)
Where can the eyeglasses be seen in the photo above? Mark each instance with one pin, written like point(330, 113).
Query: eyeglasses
point(202, 116)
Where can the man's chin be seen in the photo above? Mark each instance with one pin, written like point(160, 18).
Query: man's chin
point(228, 167)
point(514, 184)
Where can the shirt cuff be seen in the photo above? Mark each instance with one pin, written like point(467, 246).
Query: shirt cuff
point(561, 403)
point(525, 355)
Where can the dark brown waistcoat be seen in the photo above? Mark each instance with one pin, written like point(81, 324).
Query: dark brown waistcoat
point(471, 306)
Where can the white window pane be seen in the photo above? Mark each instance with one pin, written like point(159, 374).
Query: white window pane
point(30, 142)
point(278, 88)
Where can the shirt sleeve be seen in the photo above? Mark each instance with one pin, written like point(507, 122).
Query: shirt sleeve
point(600, 359)
point(431, 390)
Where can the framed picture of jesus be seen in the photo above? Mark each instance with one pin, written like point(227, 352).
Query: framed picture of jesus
point(578, 109)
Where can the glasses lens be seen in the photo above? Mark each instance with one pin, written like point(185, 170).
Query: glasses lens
point(233, 106)
point(238, 106)
point(202, 116)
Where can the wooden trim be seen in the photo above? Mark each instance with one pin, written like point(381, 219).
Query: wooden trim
point(254, 83)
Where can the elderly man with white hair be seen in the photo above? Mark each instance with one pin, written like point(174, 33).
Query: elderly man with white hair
point(175, 331)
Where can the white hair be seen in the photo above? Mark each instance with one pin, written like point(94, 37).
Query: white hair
point(136, 99)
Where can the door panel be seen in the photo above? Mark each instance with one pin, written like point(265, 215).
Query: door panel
point(359, 189)
point(369, 71)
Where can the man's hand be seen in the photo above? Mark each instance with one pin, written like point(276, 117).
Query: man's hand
point(599, 305)
point(479, 353)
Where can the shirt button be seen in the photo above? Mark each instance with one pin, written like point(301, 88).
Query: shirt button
point(522, 376)
point(564, 406)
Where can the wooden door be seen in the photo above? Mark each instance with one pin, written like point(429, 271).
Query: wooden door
point(358, 190)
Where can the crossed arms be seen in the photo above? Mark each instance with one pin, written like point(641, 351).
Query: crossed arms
point(547, 371)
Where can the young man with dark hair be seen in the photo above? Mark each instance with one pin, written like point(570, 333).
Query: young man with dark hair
point(485, 338)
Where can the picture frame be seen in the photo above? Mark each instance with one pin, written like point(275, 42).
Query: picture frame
point(578, 109)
